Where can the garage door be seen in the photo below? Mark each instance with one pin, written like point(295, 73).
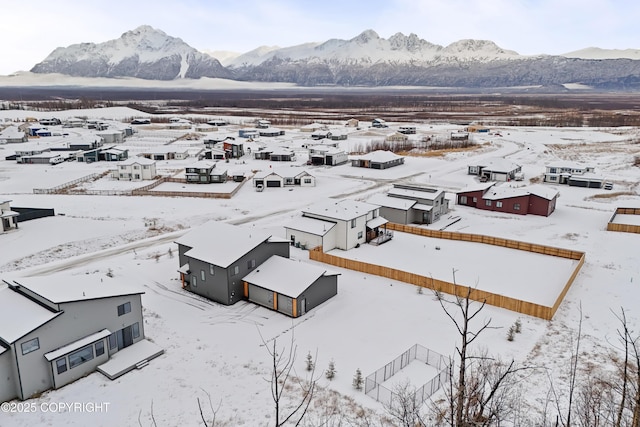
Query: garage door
point(274, 184)
point(285, 304)
point(261, 296)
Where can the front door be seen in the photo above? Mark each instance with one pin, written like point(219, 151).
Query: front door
point(124, 337)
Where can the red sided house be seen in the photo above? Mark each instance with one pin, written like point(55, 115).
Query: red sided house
point(534, 200)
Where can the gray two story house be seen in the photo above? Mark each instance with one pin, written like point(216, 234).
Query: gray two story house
point(215, 257)
point(55, 330)
point(412, 204)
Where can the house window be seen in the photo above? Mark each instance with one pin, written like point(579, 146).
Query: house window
point(61, 365)
point(487, 202)
point(31, 345)
point(251, 264)
point(353, 223)
point(236, 270)
point(136, 176)
point(475, 200)
point(136, 167)
point(498, 204)
point(553, 178)
point(516, 206)
point(135, 330)
point(145, 167)
point(552, 170)
point(124, 308)
point(194, 280)
point(212, 270)
point(307, 180)
point(113, 341)
point(360, 235)
point(99, 348)
point(463, 200)
point(202, 275)
point(79, 357)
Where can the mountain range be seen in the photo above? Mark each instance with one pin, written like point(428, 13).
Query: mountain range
point(365, 60)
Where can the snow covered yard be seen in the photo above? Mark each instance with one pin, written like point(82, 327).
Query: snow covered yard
point(219, 350)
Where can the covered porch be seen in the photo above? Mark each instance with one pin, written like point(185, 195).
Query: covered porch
point(377, 235)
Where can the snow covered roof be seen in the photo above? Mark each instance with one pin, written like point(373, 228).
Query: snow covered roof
point(282, 172)
point(376, 222)
point(499, 192)
point(392, 202)
point(19, 315)
point(477, 187)
point(543, 191)
point(220, 243)
point(137, 160)
point(415, 193)
point(77, 344)
point(498, 164)
point(202, 164)
point(12, 132)
point(314, 226)
point(286, 276)
point(380, 156)
point(66, 288)
point(343, 210)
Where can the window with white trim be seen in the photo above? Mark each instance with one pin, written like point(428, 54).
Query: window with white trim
point(498, 204)
point(135, 330)
point(99, 348)
point(353, 223)
point(81, 356)
point(463, 200)
point(487, 202)
point(61, 365)
point(124, 308)
point(516, 206)
point(31, 345)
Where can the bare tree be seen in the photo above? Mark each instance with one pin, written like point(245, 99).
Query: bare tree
point(283, 374)
point(482, 394)
point(214, 411)
point(404, 408)
point(629, 404)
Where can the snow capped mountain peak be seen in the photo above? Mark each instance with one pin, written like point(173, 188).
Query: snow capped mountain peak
point(598, 53)
point(144, 52)
point(365, 37)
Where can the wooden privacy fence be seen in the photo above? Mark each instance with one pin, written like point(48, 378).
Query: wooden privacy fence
point(503, 301)
point(146, 190)
point(625, 228)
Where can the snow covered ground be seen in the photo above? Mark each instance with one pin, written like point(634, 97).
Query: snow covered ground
point(219, 351)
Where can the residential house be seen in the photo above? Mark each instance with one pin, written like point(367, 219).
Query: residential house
point(338, 225)
point(263, 124)
point(204, 172)
point(57, 329)
point(379, 159)
point(412, 204)
point(44, 158)
point(495, 169)
point(217, 122)
point(407, 130)
point(248, 133)
point(206, 127)
point(459, 136)
point(312, 127)
point(136, 169)
point(572, 173)
point(379, 123)
point(321, 134)
point(215, 257)
point(535, 199)
point(339, 135)
point(270, 132)
point(352, 123)
point(397, 137)
point(12, 134)
point(327, 155)
point(278, 154)
point(214, 154)
point(8, 217)
point(167, 152)
point(288, 286)
point(112, 137)
point(283, 177)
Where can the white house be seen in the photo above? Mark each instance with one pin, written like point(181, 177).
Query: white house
point(561, 172)
point(8, 217)
point(12, 134)
point(136, 169)
point(327, 155)
point(496, 169)
point(57, 329)
point(342, 225)
point(283, 177)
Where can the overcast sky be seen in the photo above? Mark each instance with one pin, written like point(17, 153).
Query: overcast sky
point(32, 29)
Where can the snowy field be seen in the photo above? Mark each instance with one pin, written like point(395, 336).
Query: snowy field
point(626, 219)
point(218, 350)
